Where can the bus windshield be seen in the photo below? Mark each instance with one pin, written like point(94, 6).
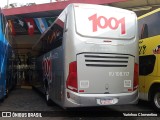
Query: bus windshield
point(91, 22)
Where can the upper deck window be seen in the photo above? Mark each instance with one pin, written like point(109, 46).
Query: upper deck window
point(149, 26)
point(144, 31)
point(53, 38)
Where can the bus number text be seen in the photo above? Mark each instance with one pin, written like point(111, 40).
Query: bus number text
point(97, 22)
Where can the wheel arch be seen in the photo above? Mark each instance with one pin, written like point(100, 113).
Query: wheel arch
point(155, 86)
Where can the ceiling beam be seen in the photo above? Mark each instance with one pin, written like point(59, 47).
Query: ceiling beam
point(52, 6)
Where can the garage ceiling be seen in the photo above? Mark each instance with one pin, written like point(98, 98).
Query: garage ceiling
point(24, 41)
point(139, 6)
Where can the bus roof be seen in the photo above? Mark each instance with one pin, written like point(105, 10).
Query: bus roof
point(149, 13)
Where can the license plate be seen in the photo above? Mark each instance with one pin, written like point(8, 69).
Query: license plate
point(107, 101)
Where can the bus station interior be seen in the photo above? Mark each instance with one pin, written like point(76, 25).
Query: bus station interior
point(23, 42)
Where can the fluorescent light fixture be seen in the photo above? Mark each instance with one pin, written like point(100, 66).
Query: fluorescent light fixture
point(141, 8)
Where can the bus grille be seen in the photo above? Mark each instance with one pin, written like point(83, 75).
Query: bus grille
point(106, 60)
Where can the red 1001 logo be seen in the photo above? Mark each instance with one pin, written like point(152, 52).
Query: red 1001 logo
point(97, 22)
point(47, 68)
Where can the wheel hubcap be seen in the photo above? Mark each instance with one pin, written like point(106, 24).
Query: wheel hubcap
point(157, 100)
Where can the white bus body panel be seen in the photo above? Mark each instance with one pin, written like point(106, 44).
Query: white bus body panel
point(103, 42)
point(105, 58)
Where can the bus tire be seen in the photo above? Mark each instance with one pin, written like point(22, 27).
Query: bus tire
point(155, 100)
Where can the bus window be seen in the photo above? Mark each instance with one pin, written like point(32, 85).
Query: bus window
point(53, 38)
point(57, 36)
point(144, 31)
point(149, 26)
point(146, 64)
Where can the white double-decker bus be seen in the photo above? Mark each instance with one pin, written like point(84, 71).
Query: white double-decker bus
point(89, 57)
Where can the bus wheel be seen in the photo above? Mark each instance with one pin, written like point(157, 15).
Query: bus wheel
point(156, 100)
